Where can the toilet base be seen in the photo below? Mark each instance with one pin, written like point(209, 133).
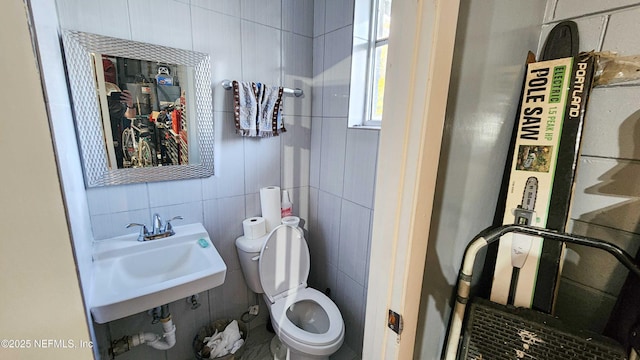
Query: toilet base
point(278, 349)
point(292, 355)
point(281, 352)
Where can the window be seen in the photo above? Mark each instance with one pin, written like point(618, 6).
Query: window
point(379, 61)
point(369, 62)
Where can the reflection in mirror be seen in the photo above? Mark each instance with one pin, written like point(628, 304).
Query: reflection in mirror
point(142, 112)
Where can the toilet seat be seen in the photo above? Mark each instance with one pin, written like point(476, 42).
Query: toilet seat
point(284, 269)
point(284, 326)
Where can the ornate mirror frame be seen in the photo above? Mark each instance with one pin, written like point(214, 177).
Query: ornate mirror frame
point(78, 49)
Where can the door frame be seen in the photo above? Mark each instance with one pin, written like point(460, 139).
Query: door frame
point(418, 71)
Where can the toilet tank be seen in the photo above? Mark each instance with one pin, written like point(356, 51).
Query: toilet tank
point(248, 253)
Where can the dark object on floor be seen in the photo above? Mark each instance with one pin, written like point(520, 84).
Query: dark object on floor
point(269, 326)
point(625, 316)
point(500, 332)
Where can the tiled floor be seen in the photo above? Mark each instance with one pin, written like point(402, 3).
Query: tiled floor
point(257, 347)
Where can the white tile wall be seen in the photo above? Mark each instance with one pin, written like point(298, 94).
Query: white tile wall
point(334, 138)
point(318, 75)
point(337, 70)
point(229, 157)
point(295, 152)
point(235, 294)
point(261, 53)
point(326, 241)
point(366, 275)
point(252, 205)
point(266, 12)
point(105, 200)
point(354, 241)
point(192, 211)
point(360, 166)
point(342, 172)
point(297, 16)
point(314, 156)
point(261, 163)
point(351, 299)
point(105, 18)
point(319, 11)
point(225, 221)
point(228, 7)
point(225, 51)
point(297, 65)
point(338, 14)
point(113, 224)
point(313, 212)
point(148, 18)
point(246, 40)
point(300, 198)
point(171, 193)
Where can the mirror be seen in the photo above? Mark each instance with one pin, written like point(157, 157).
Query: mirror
point(142, 112)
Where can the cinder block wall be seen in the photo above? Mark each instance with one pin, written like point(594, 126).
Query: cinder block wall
point(605, 203)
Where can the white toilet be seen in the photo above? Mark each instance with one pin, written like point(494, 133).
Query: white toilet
point(307, 322)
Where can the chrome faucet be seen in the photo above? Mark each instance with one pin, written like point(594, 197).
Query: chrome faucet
point(157, 224)
point(159, 229)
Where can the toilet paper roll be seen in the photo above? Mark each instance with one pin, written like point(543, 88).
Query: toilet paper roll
point(291, 220)
point(254, 227)
point(270, 205)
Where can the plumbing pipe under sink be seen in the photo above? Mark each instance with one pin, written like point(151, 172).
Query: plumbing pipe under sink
point(164, 342)
point(156, 341)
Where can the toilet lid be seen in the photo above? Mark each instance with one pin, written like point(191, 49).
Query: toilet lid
point(284, 262)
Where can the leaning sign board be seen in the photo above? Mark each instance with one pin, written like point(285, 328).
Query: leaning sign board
point(540, 180)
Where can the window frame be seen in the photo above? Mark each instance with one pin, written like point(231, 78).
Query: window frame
point(374, 44)
point(365, 43)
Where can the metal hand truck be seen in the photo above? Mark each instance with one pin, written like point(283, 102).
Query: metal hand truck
point(497, 332)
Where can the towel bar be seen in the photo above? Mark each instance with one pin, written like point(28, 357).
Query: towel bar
point(297, 92)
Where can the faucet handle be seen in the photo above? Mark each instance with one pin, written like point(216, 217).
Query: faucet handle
point(143, 230)
point(168, 227)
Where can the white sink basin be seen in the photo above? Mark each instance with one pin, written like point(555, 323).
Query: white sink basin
point(131, 276)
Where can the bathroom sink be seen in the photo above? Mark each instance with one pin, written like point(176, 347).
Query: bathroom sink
point(131, 276)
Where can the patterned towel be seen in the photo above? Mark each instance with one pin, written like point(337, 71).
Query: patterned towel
point(269, 110)
point(245, 107)
point(257, 109)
